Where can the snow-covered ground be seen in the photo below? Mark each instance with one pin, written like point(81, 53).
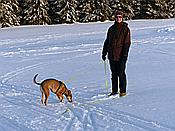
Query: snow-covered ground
point(72, 53)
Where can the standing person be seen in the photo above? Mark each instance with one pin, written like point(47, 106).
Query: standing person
point(117, 46)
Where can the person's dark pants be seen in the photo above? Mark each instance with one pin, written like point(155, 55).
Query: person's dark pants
point(118, 71)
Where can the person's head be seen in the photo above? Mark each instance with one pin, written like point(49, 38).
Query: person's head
point(119, 16)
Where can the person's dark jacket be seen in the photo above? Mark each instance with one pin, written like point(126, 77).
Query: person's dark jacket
point(117, 42)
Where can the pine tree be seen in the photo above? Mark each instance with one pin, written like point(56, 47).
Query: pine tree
point(161, 9)
point(15, 12)
point(9, 13)
point(102, 11)
point(36, 12)
point(171, 5)
point(85, 8)
point(21, 11)
point(52, 11)
point(127, 9)
point(136, 7)
point(65, 11)
point(146, 10)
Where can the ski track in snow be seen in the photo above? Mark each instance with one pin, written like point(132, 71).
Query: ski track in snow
point(84, 113)
point(89, 112)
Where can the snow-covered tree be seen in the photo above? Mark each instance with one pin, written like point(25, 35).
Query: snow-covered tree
point(9, 13)
point(102, 11)
point(70, 11)
point(127, 9)
point(85, 8)
point(161, 9)
point(52, 11)
point(21, 11)
point(36, 12)
point(96, 10)
point(64, 11)
point(136, 7)
point(146, 10)
point(171, 5)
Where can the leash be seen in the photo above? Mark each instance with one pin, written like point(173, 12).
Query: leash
point(106, 80)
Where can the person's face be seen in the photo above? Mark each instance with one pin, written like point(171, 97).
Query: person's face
point(119, 18)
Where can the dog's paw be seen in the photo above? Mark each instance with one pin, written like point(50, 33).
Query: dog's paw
point(61, 101)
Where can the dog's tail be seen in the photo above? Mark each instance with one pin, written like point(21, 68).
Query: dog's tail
point(34, 80)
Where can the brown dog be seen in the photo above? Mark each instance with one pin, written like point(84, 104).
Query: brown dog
point(57, 87)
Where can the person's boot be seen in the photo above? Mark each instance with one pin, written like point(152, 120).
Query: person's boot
point(122, 94)
point(113, 93)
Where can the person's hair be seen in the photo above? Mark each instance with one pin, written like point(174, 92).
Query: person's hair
point(118, 12)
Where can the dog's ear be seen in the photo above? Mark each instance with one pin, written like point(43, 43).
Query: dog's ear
point(69, 92)
point(69, 97)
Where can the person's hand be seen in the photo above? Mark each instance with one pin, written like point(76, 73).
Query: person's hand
point(103, 57)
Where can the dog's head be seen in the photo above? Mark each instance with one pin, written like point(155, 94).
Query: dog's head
point(69, 96)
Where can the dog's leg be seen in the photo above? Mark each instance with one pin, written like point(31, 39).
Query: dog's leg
point(47, 93)
point(42, 99)
point(42, 92)
point(60, 97)
point(46, 100)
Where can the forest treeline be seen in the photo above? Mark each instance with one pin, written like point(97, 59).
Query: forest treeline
point(41, 12)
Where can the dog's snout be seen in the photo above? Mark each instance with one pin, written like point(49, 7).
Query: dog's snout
point(69, 99)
